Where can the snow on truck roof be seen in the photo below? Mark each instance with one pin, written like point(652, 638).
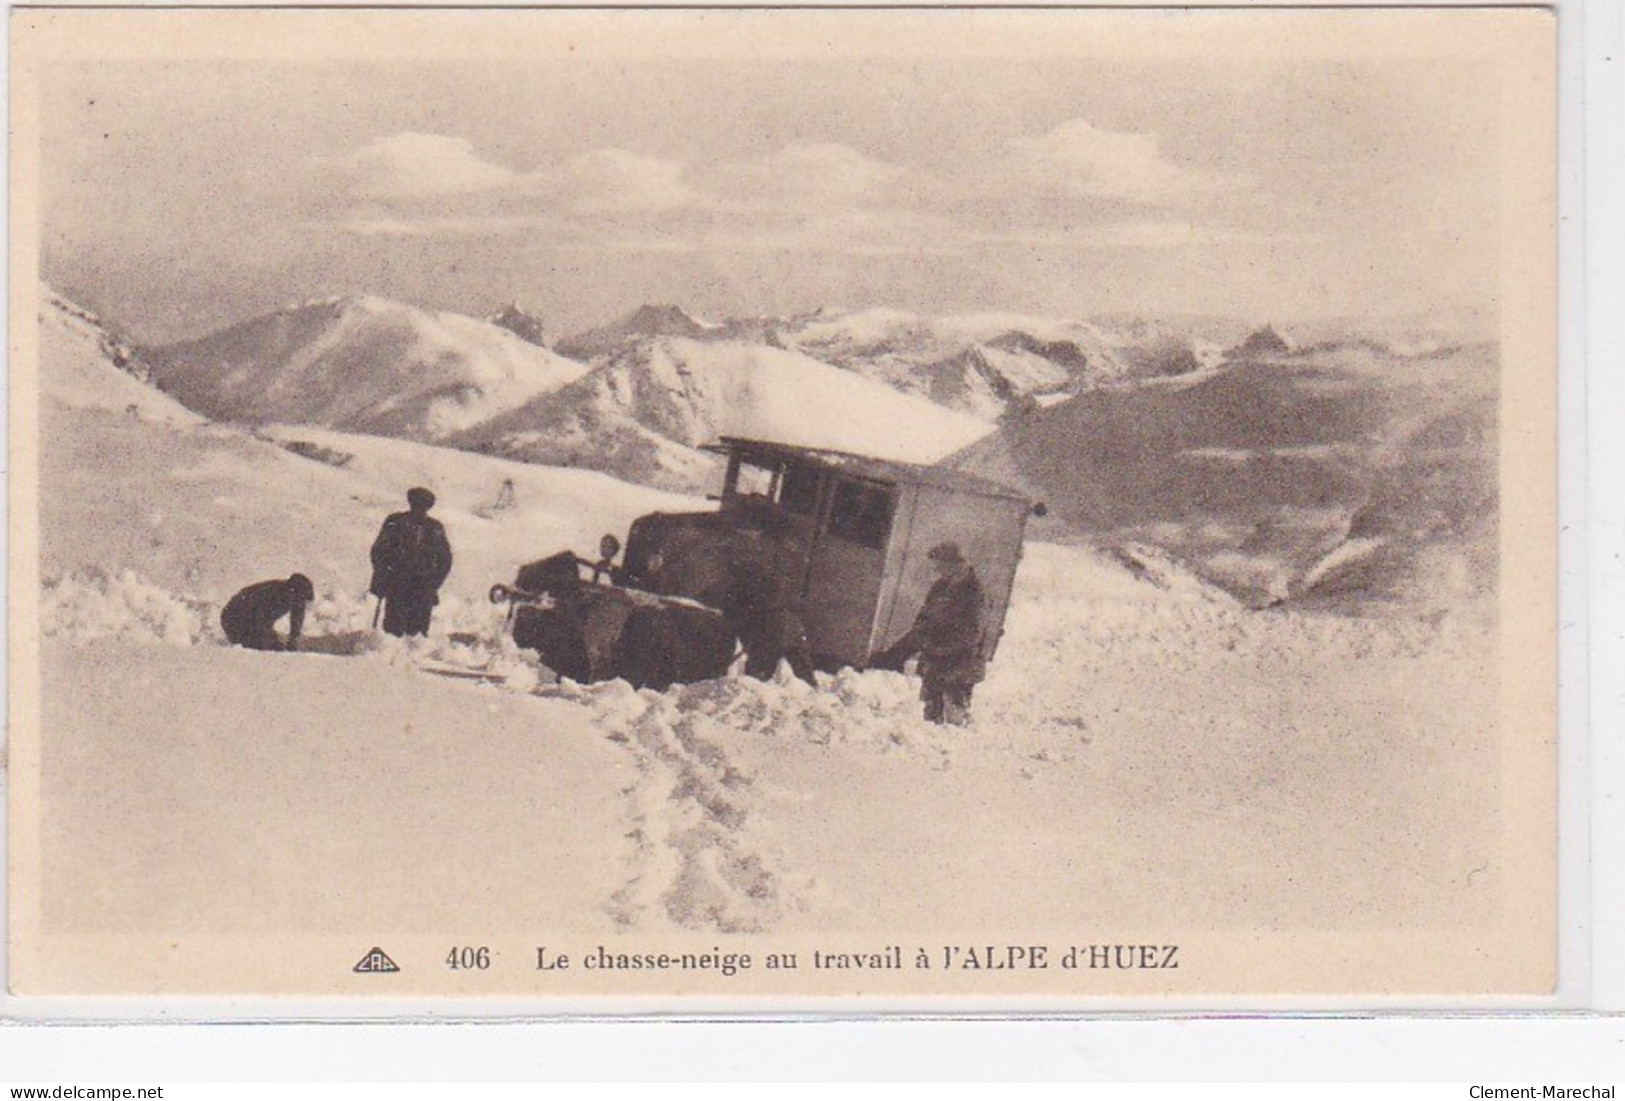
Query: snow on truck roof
point(865, 466)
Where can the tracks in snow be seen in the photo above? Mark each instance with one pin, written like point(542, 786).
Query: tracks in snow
point(695, 863)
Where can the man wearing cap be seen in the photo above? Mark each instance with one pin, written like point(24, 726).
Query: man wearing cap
point(947, 635)
point(249, 618)
point(410, 560)
point(605, 568)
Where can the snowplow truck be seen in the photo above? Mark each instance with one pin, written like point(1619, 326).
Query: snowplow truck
point(827, 550)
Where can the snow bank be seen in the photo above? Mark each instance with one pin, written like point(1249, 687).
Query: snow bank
point(1075, 614)
point(868, 710)
point(92, 604)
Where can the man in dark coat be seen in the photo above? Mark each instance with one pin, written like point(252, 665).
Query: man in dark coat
point(771, 631)
point(410, 560)
point(758, 602)
point(947, 635)
point(249, 618)
point(605, 568)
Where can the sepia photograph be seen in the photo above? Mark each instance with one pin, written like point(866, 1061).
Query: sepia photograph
point(1035, 508)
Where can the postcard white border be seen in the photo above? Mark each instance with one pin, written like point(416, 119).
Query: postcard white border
point(1592, 761)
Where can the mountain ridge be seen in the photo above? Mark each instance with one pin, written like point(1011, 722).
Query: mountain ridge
point(359, 363)
point(643, 412)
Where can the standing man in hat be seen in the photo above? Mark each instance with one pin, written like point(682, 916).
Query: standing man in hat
point(410, 560)
point(947, 634)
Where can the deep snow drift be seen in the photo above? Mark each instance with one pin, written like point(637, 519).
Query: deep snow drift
point(1143, 747)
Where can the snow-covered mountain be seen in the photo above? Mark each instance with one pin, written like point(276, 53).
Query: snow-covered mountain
point(1338, 476)
point(1337, 471)
point(978, 364)
point(1261, 343)
point(643, 412)
point(1414, 335)
point(988, 365)
point(135, 480)
point(522, 323)
point(642, 323)
point(84, 365)
point(361, 364)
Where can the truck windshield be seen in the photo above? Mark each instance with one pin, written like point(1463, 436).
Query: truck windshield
point(754, 480)
point(798, 491)
point(861, 512)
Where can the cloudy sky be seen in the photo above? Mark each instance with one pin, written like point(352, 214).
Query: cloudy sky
point(181, 196)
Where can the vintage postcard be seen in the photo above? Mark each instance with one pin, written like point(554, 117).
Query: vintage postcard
point(980, 508)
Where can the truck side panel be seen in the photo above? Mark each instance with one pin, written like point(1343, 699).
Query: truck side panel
point(898, 553)
point(844, 576)
point(988, 530)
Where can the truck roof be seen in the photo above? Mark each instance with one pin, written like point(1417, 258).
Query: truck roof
point(865, 466)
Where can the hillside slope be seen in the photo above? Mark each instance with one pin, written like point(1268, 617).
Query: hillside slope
point(642, 414)
point(200, 509)
point(361, 365)
point(1346, 475)
point(86, 367)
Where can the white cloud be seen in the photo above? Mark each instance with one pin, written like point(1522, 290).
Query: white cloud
point(608, 181)
point(366, 225)
point(382, 227)
point(817, 176)
point(413, 165)
point(804, 197)
point(1079, 158)
point(851, 233)
point(419, 185)
point(1141, 234)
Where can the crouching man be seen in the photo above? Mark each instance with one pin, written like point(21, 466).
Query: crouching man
point(947, 636)
point(250, 617)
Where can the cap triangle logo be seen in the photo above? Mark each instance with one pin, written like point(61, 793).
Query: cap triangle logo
point(376, 959)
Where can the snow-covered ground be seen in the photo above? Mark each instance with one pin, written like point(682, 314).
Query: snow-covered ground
point(1160, 753)
point(1144, 750)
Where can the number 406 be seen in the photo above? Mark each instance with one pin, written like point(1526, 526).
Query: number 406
point(469, 959)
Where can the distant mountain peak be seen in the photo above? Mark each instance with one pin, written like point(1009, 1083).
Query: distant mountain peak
point(664, 319)
point(344, 303)
point(1264, 341)
point(521, 322)
point(360, 363)
point(1065, 352)
point(648, 320)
